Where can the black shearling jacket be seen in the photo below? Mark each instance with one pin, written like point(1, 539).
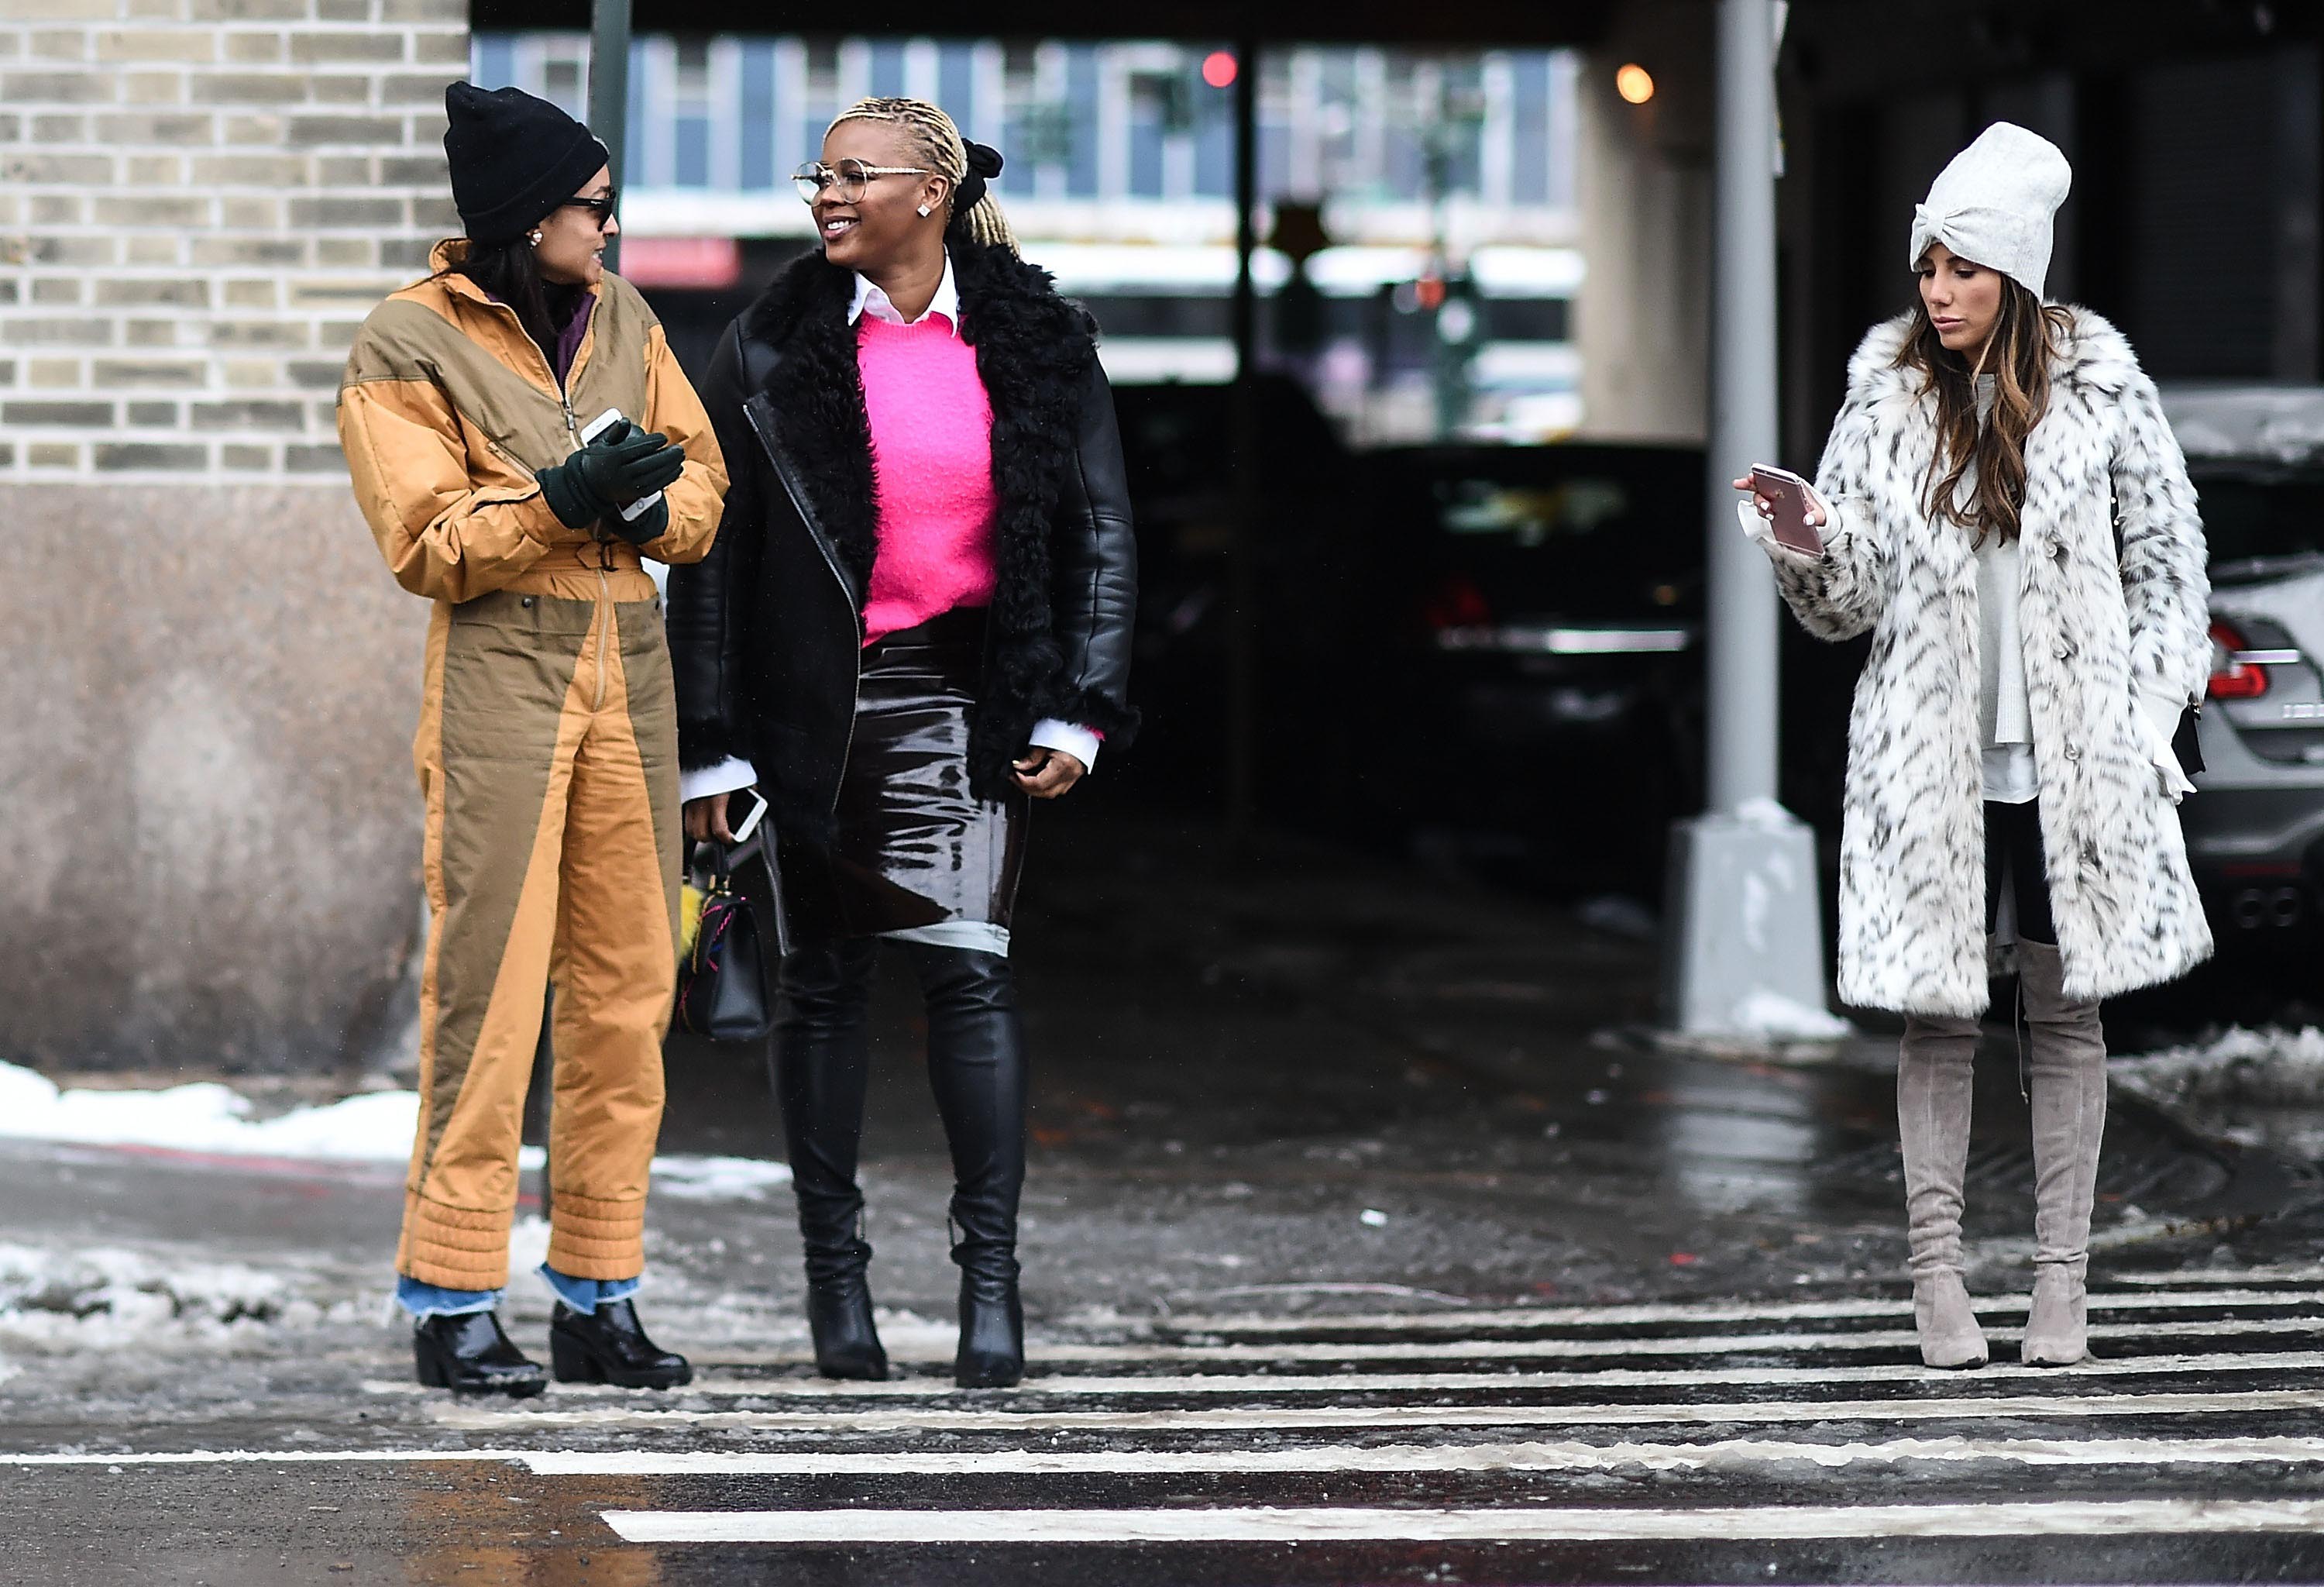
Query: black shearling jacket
point(766, 634)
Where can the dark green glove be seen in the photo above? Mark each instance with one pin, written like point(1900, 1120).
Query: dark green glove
point(647, 525)
point(609, 473)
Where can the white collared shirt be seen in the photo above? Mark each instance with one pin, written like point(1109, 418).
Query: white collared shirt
point(872, 300)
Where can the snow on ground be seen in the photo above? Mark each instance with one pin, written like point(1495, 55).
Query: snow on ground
point(103, 1297)
point(2262, 1088)
point(703, 1178)
point(1771, 1013)
point(373, 1127)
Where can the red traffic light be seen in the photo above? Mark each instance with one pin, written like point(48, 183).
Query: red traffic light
point(1219, 68)
point(1428, 291)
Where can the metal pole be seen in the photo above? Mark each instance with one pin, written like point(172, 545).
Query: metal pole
point(1743, 959)
point(609, 93)
point(1741, 660)
point(1242, 581)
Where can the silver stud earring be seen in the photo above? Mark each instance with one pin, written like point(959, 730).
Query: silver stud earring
point(534, 240)
point(924, 212)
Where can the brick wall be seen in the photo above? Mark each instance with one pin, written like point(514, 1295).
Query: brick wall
point(199, 199)
point(211, 850)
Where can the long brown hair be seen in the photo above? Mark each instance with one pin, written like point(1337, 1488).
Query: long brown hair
point(2017, 354)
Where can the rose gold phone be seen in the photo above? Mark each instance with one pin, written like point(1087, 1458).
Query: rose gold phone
point(1789, 494)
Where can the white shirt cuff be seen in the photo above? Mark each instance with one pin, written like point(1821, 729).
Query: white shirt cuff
point(725, 777)
point(2158, 714)
point(1080, 743)
point(1762, 531)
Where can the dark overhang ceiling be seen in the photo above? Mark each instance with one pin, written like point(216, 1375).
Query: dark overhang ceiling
point(1385, 21)
point(1852, 49)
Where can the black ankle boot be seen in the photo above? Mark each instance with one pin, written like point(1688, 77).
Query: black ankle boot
point(469, 1354)
point(839, 1315)
point(992, 1319)
point(610, 1345)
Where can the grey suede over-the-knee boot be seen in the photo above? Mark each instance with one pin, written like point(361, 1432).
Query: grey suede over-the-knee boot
point(2066, 1068)
point(1933, 1073)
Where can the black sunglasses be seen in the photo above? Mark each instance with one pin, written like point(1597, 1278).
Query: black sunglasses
point(602, 207)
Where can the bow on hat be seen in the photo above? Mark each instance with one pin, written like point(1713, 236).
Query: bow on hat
point(1993, 204)
point(983, 161)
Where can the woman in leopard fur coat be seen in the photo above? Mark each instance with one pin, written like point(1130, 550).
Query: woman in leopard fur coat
point(2003, 507)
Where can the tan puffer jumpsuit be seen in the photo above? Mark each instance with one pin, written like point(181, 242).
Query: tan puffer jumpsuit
point(546, 755)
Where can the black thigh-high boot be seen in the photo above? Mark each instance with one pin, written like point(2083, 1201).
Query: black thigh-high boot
point(822, 1062)
point(976, 1066)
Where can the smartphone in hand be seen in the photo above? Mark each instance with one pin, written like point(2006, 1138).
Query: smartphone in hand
point(1791, 497)
point(612, 422)
point(743, 828)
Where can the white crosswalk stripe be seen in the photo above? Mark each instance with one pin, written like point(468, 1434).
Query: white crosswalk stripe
point(1220, 1429)
point(1514, 1523)
point(1713, 1424)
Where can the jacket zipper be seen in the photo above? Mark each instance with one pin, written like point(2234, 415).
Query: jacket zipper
point(798, 505)
point(573, 437)
point(512, 460)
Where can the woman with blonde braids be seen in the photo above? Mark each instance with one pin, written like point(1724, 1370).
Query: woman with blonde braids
point(914, 620)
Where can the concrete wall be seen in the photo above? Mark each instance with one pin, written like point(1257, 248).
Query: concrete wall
point(211, 847)
point(1642, 319)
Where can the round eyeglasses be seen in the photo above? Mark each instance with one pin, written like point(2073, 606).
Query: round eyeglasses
point(846, 180)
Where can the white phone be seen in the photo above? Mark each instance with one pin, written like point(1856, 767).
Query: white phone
point(599, 426)
point(749, 823)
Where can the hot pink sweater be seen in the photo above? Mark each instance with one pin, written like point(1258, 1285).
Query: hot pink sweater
point(931, 471)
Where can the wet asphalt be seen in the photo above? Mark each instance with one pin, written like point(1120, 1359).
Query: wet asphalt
point(1361, 1208)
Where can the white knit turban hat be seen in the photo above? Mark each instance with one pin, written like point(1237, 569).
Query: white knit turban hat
point(1993, 204)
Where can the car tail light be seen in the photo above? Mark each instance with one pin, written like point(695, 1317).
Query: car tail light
point(1456, 602)
point(2233, 678)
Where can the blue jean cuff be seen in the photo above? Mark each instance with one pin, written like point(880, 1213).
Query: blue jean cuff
point(584, 1296)
point(424, 1301)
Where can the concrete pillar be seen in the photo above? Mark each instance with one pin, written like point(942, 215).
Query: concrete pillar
point(1644, 187)
point(1744, 935)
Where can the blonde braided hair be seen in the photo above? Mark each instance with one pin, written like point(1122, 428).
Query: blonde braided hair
point(938, 143)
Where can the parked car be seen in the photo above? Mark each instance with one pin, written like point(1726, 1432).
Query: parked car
point(2255, 828)
point(1491, 653)
point(1541, 611)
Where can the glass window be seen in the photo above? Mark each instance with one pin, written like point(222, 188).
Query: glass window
point(1484, 352)
point(492, 60)
point(957, 85)
point(690, 135)
point(886, 69)
point(1151, 94)
point(757, 169)
point(561, 86)
point(1081, 107)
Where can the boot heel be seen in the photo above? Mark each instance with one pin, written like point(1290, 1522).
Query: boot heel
point(427, 1365)
point(570, 1362)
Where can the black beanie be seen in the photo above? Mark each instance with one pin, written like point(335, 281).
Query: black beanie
point(514, 159)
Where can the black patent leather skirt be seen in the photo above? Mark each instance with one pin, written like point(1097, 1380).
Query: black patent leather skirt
point(914, 848)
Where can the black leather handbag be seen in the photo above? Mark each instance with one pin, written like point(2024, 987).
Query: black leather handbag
point(722, 977)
